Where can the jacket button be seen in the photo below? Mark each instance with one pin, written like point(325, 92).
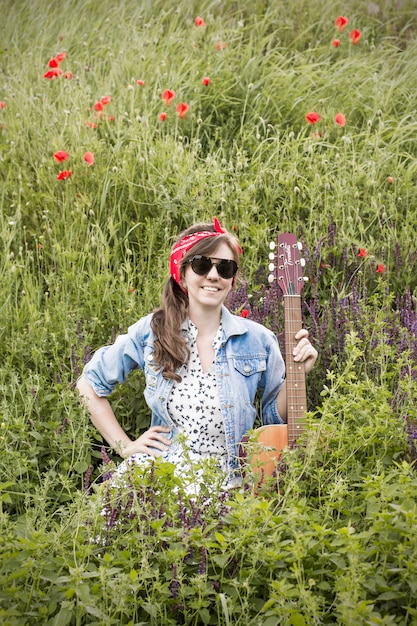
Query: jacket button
point(247, 368)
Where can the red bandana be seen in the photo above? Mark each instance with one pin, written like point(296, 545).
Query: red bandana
point(181, 248)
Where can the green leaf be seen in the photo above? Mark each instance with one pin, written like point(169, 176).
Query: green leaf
point(80, 467)
point(297, 619)
point(205, 615)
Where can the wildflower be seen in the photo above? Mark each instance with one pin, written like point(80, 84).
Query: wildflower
point(341, 23)
point(140, 82)
point(354, 36)
point(336, 43)
point(380, 268)
point(312, 117)
point(68, 75)
point(390, 179)
point(340, 119)
point(105, 100)
point(61, 155)
point(2, 105)
point(182, 109)
point(89, 158)
point(99, 106)
point(168, 96)
point(131, 290)
point(87, 475)
point(53, 73)
point(162, 116)
point(104, 456)
point(90, 124)
point(199, 21)
point(61, 56)
point(64, 174)
point(206, 81)
point(220, 45)
point(244, 313)
point(362, 252)
point(53, 62)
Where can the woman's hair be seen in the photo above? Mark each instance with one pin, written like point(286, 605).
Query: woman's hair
point(170, 346)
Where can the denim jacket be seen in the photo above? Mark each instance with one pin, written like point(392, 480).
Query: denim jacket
point(248, 360)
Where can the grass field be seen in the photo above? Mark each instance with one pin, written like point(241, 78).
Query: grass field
point(120, 124)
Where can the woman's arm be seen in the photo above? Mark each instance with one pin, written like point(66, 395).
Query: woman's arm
point(104, 419)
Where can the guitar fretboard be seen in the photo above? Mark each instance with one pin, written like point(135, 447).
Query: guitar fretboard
point(295, 374)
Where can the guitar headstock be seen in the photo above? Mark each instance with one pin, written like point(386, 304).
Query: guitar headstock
point(288, 270)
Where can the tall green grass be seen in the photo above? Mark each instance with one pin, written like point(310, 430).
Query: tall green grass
point(82, 259)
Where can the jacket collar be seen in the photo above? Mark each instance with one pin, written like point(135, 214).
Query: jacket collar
point(232, 324)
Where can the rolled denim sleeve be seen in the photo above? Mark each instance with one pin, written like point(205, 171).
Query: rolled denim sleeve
point(112, 364)
point(272, 381)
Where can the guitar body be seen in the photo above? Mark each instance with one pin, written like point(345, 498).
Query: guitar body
point(271, 440)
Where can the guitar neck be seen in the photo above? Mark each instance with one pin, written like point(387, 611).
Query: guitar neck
point(295, 374)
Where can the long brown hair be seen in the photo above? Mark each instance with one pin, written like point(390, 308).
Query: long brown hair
point(170, 347)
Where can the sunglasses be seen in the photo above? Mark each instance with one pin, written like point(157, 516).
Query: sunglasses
point(201, 265)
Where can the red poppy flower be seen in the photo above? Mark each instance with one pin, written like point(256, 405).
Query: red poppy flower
point(182, 109)
point(64, 174)
point(199, 21)
point(206, 81)
point(99, 106)
point(68, 75)
point(362, 252)
point(390, 179)
point(244, 313)
point(131, 290)
point(2, 105)
point(90, 124)
point(53, 62)
point(105, 100)
point(168, 96)
point(53, 73)
point(354, 36)
point(220, 45)
point(340, 119)
point(162, 116)
point(341, 22)
point(89, 158)
point(140, 82)
point(336, 43)
point(312, 117)
point(380, 268)
point(61, 155)
point(61, 56)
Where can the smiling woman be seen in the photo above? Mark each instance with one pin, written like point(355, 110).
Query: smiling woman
point(203, 366)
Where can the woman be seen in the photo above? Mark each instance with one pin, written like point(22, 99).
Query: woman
point(203, 366)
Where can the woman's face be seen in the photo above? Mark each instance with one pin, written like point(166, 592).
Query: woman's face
point(208, 292)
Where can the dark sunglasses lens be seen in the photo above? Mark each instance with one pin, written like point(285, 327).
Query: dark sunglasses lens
point(226, 268)
point(201, 265)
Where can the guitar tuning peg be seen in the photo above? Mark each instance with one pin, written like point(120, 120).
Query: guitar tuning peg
point(299, 245)
point(272, 245)
point(302, 262)
point(271, 278)
point(271, 256)
point(271, 267)
point(305, 279)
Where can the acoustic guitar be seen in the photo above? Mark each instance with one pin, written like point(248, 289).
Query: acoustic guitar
point(286, 267)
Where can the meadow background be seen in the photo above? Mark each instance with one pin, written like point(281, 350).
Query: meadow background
point(84, 254)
